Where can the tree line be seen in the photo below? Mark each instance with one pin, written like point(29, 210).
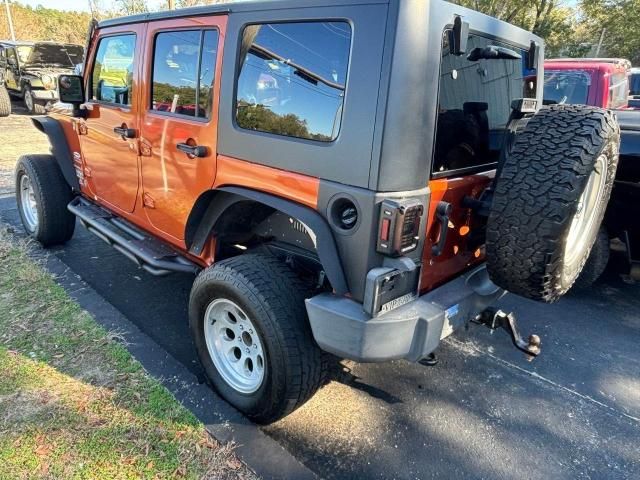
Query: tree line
point(570, 28)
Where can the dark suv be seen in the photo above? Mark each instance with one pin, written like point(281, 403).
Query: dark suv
point(358, 180)
point(31, 70)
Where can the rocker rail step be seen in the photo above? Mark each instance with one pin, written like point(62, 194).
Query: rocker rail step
point(147, 252)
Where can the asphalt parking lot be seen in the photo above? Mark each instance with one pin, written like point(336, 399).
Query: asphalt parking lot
point(483, 412)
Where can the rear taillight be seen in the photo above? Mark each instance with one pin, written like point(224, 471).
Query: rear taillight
point(399, 226)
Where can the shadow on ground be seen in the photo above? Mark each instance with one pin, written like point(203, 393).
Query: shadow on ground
point(482, 412)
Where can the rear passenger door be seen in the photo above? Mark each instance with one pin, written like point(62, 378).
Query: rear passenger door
point(180, 118)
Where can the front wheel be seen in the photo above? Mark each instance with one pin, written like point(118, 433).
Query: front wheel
point(31, 104)
point(250, 327)
point(42, 196)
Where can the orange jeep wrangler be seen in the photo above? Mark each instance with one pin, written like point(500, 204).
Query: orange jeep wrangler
point(353, 178)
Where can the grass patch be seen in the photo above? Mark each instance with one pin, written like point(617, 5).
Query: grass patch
point(75, 404)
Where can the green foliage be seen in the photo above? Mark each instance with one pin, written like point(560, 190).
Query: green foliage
point(621, 21)
point(45, 24)
point(261, 118)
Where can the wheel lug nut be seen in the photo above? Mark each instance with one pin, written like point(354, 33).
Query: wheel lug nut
point(255, 347)
point(247, 350)
point(241, 327)
point(251, 332)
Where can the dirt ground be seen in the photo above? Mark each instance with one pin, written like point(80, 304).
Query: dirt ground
point(15, 144)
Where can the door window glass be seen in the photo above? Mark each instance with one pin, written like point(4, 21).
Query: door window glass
point(474, 104)
point(183, 72)
point(112, 76)
point(567, 86)
point(292, 78)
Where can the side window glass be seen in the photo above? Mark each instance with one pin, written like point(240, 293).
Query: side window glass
point(112, 76)
point(292, 78)
point(183, 72)
point(207, 71)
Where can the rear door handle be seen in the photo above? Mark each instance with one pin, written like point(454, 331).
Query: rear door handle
point(125, 132)
point(193, 150)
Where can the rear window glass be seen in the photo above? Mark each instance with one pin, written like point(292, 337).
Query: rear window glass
point(475, 103)
point(292, 78)
point(566, 86)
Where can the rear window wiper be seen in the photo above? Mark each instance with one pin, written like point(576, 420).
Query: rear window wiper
point(493, 52)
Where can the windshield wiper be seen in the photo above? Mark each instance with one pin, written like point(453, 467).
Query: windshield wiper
point(493, 52)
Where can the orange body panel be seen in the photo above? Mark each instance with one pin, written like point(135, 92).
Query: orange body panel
point(171, 180)
point(457, 255)
point(292, 186)
point(111, 162)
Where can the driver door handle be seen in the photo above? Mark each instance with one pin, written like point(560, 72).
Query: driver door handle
point(125, 132)
point(193, 150)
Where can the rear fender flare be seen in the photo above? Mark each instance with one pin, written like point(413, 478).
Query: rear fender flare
point(199, 230)
point(59, 148)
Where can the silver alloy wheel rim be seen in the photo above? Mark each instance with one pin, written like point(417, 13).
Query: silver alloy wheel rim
point(28, 100)
point(234, 345)
point(586, 213)
point(28, 203)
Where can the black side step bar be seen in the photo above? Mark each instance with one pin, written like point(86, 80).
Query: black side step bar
point(147, 252)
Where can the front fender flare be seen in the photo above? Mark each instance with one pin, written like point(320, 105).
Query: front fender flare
point(325, 242)
point(59, 148)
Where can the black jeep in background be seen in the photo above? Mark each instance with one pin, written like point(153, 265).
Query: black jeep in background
point(31, 70)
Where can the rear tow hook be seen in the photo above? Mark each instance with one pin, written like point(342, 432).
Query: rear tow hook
point(495, 319)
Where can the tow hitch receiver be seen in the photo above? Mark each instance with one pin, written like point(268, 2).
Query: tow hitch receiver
point(495, 319)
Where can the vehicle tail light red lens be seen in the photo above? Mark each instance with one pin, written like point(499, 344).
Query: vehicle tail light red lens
point(399, 226)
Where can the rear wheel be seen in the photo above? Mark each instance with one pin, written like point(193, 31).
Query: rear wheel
point(5, 102)
point(42, 196)
point(253, 338)
point(550, 198)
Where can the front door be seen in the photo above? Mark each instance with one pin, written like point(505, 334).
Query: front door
point(109, 136)
point(179, 127)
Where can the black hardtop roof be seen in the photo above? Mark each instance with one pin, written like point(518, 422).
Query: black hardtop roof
point(228, 8)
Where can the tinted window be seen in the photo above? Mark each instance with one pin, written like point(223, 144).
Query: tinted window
point(475, 104)
point(182, 76)
point(634, 84)
point(292, 78)
point(112, 76)
point(566, 86)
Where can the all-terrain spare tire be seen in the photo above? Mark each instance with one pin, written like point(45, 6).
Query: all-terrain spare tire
point(249, 310)
point(550, 198)
point(42, 195)
point(5, 102)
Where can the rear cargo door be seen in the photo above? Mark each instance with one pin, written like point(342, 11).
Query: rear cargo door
point(180, 117)
point(474, 110)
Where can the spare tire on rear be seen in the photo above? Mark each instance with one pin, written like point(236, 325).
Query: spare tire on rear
point(550, 198)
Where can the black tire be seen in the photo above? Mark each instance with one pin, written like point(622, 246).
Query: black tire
point(537, 195)
point(55, 224)
point(5, 102)
point(33, 107)
point(597, 262)
point(273, 298)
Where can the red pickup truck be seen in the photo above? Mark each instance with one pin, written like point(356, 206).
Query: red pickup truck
point(605, 82)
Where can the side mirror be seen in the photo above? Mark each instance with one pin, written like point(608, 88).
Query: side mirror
point(12, 61)
point(71, 90)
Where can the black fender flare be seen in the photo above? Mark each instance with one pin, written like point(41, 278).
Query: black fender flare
point(325, 243)
point(59, 148)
